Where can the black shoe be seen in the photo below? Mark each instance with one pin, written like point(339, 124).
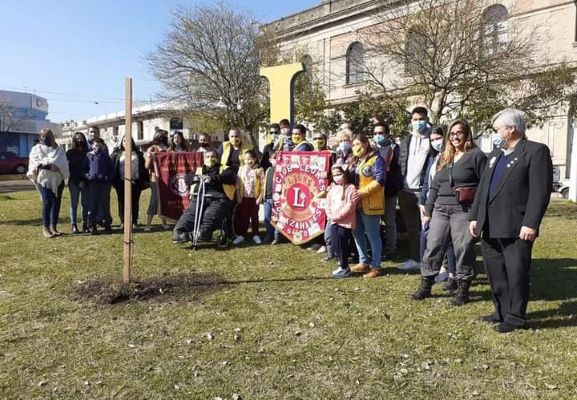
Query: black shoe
point(93, 230)
point(85, 228)
point(107, 229)
point(505, 327)
point(491, 319)
point(462, 293)
point(425, 288)
point(450, 285)
point(75, 230)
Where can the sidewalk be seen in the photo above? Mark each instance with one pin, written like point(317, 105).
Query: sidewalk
point(15, 185)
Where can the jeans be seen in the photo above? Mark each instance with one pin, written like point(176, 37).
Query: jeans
point(77, 193)
point(153, 203)
point(271, 233)
point(391, 225)
point(99, 203)
point(340, 237)
point(50, 205)
point(368, 226)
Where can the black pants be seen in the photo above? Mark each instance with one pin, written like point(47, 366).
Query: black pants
point(507, 262)
point(340, 242)
point(409, 205)
point(214, 212)
point(135, 202)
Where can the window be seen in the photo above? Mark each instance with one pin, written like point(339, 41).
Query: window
point(495, 35)
point(355, 63)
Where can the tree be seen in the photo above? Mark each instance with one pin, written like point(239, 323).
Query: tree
point(210, 60)
point(9, 120)
point(463, 58)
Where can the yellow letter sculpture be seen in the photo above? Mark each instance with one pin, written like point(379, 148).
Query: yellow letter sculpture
point(281, 79)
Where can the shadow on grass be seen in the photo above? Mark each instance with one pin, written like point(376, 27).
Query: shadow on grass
point(562, 209)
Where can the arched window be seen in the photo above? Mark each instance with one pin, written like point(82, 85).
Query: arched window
point(495, 35)
point(355, 63)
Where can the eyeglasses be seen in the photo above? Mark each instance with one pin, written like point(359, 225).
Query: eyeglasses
point(318, 138)
point(274, 132)
point(456, 134)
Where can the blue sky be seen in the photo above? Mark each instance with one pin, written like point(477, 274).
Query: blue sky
point(76, 53)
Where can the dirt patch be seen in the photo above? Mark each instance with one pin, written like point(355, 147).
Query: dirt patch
point(163, 287)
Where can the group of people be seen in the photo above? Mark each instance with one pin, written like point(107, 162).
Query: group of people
point(450, 194)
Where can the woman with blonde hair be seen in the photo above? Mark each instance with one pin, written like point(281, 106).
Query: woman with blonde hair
point(451, 194)
point(48, 168)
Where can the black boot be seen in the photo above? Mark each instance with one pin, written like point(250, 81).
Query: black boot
point(450, 285)
point(93, 230)
point(462, 293)
point(424, 290)
point(75, 230)
point(85, 228)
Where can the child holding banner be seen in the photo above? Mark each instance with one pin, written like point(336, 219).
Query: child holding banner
point(341, 204)
point(249, 182)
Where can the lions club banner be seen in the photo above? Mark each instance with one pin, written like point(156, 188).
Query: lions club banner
point(299, 178)
point(172, 190)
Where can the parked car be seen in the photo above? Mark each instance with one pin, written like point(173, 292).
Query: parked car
point(11, 163)
point(560, 186)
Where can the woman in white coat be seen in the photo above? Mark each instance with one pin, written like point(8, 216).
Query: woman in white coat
point(48, 168)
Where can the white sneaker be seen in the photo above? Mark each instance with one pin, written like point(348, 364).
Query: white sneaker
point(442, 277)
point(256, 239)
point(409, 265)
point(238, 240)
point(322, 249)
point(147, 228)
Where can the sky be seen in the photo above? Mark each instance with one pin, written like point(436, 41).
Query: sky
point(77, 53)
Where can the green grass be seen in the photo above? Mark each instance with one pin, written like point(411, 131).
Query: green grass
point(278, 327)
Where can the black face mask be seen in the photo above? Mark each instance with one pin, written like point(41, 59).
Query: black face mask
point(47, 141)
point(163, 140)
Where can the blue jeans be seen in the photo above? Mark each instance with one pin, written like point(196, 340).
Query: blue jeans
point(50, 205)
point(75, 194)
point(368, 226)
point(271, 233)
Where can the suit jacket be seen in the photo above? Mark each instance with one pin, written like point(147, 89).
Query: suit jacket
point(521, 197)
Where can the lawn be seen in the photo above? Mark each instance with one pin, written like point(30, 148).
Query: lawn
point(262, 322)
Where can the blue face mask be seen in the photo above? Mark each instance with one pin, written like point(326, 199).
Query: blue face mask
point(345, 147)
point(419, 126)
point(437, 145)
point(498, 140)
point(382, 140)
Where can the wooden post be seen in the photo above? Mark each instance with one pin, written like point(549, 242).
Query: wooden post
point(127, 179)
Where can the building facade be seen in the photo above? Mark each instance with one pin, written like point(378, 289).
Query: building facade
point(22, 116)
point(331, 35)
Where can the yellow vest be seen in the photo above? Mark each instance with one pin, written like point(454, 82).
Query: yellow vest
point(227, 149)
point(372, 193)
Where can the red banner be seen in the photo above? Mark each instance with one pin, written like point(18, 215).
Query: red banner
point(172, 189)
point(299, 177)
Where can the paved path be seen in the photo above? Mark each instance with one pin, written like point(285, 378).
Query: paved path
point(15, 186)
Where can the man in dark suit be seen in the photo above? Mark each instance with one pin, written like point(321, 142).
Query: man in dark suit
point(510, 203)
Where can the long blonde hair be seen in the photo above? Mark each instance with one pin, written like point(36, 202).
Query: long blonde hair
point(448, 154)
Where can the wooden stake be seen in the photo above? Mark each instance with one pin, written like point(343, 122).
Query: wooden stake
point(127, 179)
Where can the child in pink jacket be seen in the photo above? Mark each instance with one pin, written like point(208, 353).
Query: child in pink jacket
point(341, 204)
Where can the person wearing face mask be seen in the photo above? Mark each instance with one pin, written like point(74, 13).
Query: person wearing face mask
point(341, 207)
point(48, 168)
point(216, 202)
point(369, 172)
point(249, 183)
point(509, 206)
point(203, 142)
point(231, 152)
point(299, 135)
point(413, 157)
point(140, 178)
point(159, 145)
point(344, 150)
point(389, 152)
point(77, 161)
point(285, 142)
point(448, 270)
point(272, 235)
point(451, 193)
point(273, 142)
point(99, 175)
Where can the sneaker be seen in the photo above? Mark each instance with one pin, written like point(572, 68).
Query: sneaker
point(147, 228)
point(314, 247)
point(256, 239)
point(410, 265)
point(322, 249)
point(134, 226)
point(328, 258)
point(165, 226)
point(442, 277)
point(340, 273)
point(238, 240)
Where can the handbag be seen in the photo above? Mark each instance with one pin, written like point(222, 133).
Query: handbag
point(464, 194)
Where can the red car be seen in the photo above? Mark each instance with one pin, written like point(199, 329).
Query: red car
point(11, 163)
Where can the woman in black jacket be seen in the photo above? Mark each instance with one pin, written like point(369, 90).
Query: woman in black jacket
point(140, 179)
point(451, 194)
point(77, 165)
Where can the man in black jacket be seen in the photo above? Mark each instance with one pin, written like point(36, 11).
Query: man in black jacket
point(510, 203)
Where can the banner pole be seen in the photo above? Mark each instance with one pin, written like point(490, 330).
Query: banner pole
point(127, 180)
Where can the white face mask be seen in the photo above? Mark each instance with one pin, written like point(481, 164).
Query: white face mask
point(339, 179)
